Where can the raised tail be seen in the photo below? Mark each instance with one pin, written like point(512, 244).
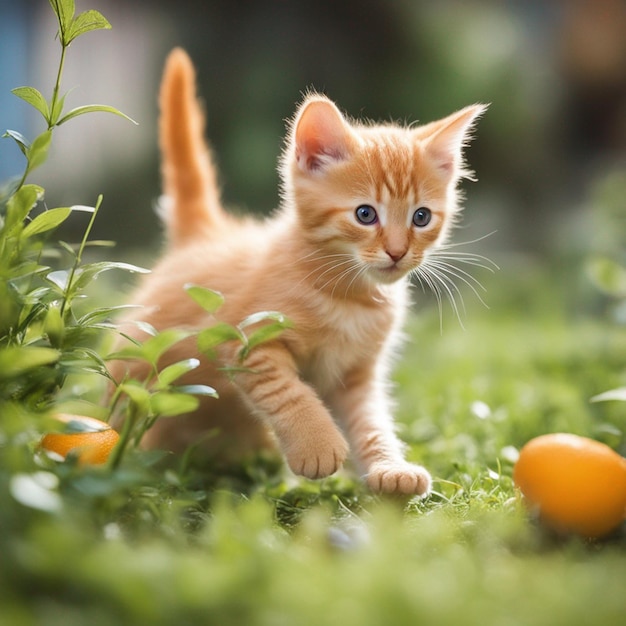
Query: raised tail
point(192, 204)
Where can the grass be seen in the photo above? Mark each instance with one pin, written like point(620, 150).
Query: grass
point(162, 544)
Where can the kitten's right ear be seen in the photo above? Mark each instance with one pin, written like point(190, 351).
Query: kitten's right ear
point(321, 135)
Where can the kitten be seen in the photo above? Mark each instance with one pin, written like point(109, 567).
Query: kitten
point(363, 206)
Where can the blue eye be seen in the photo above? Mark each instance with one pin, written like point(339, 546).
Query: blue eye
point(421, 217)
point(366, 214)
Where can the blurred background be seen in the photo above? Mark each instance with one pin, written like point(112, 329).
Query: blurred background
point(550, 154)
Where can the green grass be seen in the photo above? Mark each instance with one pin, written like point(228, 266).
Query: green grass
point(167, 544)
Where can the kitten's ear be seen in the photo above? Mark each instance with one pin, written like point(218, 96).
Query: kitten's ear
point(446, 139)
point(320, 134)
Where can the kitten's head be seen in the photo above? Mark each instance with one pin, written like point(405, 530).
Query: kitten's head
point(379, 196)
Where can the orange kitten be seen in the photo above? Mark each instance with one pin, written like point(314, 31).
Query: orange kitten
point(363, 207)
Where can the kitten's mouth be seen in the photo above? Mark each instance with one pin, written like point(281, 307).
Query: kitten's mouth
point(388, 273)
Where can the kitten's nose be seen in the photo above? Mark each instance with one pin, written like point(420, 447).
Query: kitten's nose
point(395, 255)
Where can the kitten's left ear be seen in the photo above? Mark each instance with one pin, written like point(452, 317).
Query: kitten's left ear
point(320, 134)
point(446, 139)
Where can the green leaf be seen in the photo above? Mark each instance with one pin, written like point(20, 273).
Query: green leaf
point(34, 98)
point(172, 372)
point(267, 333)
point(89, 272)
point(86, 22)
point(154, 348)
point(19, 139)
point(93, 108)
point(54, 326)
point(210, 338)
point(198, 390)
point(169, 404)
point(103, 313)
point(57, 109)
point(263, 316)
point(21, 203)
point(64, 10)
point(17, 360)
point(59, 278)
point(208, 299)
point(46, 221)
point(38, 151)
point(139, 395)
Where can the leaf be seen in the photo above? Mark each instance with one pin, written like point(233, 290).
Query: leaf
point(89, 272)
point(19, 139)
point(59, 278)
point(198, 390)
point(93, 108)
point(263, 316)
point(38, 151)
point(21, 203)
point(64, 10)
point(172, 372)
point(613, 394)
point(210, 338)
point(17, 360)
point(267, 333)
point(46, 221)
point(169, 404)
point(57, 109)
point(54, 327)
point(139, 395)
point(154, 348)
point(208, 299)
point(103, 313)
point(34, 98)
point(86, 22)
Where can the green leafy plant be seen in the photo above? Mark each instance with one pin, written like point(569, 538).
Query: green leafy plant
point(48, 330)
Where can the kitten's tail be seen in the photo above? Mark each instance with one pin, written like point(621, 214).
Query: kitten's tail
point(192, 204)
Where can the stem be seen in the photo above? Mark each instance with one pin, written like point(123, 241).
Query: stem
point(55, 93)
point(79, 255)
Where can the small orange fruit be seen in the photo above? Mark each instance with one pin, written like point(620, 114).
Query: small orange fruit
point(88, 438)
point(575, 484)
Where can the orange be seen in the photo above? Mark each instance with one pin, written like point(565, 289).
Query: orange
point(86, 437)
point(575, 484)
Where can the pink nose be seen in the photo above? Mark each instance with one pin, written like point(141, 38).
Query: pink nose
point(395, 255)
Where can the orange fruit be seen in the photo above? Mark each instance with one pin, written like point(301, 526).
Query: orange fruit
point(575, 484)
point(88, 438)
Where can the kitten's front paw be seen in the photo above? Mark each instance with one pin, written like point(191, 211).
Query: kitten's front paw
point(319, 458)
point(399, 478)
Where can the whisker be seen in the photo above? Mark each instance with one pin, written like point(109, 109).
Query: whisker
point(468, 279)
point(468, 258)
point(449, 287)
point(424, 278)
point(447, 246)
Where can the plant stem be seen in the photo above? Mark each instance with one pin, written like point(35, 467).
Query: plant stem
point(79, 255)
point(55, 93)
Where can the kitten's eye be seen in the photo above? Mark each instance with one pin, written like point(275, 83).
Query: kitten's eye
point(421, 217)
point(366, 214)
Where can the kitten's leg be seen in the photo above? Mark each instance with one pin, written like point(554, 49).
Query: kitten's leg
point(308, 437)
point(363, 407)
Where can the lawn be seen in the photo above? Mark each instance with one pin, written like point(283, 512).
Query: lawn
point(154, 539)
point(168, 543)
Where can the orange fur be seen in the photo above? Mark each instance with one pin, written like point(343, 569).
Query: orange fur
point(320, 390)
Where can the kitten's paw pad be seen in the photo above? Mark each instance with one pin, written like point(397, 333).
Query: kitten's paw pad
point(399, 478)
point(318, 460)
